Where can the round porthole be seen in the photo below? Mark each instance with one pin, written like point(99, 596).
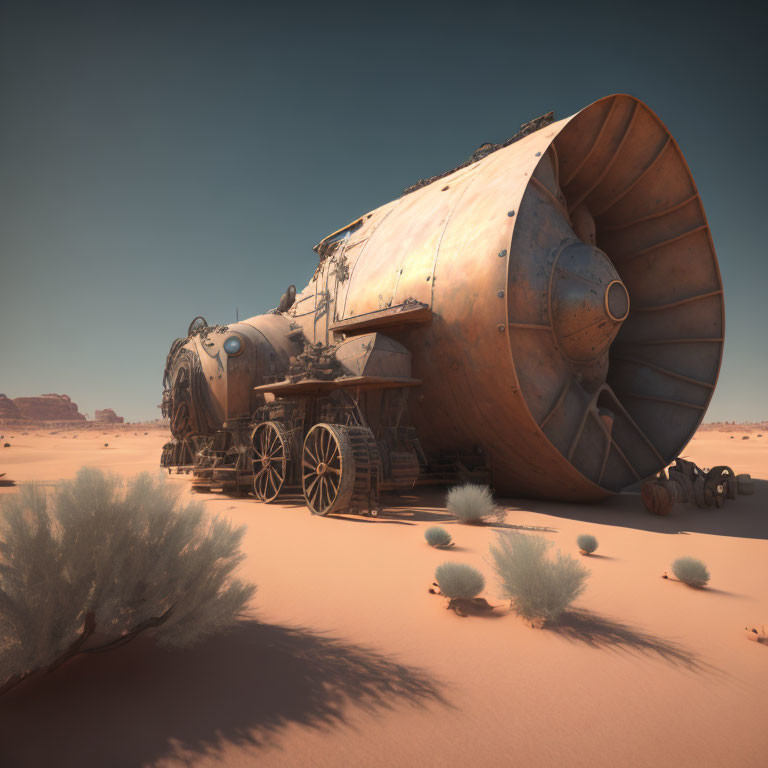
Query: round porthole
point(233, 345)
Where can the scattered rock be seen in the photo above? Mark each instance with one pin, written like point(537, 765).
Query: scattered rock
point(6, 445)
point(106, 445)
point(746, 437)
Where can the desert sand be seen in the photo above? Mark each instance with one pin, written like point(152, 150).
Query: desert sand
point(348, 661)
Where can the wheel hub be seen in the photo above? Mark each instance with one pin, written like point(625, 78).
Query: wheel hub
point(321, 468)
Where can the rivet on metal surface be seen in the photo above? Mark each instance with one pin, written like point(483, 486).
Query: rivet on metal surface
point(502, 254)
point(501, 327)
point(510, 213)
point(500, 294)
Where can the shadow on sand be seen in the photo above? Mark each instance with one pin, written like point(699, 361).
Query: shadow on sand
point(608, 634)
point(743, 517)
point(136, 705)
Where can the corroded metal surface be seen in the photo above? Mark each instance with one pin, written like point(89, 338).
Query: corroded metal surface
point(559, 296)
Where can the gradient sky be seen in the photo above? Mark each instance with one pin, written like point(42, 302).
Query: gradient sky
point(161, 160)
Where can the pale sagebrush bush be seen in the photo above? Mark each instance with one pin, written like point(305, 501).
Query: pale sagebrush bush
point(437, 536)
point(122, 557)
point(538, 587)
point(459, 580)
point(586, 542)
point(691, 571)
point(472, 504)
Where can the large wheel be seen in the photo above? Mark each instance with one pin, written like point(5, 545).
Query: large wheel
point(328, 469)
point(270, 463)
point(340, 468)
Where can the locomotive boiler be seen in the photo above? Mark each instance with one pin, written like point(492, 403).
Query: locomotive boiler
point(546, 318)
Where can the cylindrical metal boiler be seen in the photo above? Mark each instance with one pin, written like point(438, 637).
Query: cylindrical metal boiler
point(573, 312)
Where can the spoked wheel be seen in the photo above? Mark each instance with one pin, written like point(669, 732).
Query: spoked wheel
point(340, 468)
point(270, 463)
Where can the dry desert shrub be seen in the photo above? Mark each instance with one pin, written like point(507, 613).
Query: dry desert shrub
point(437, 536)
point(472, 504)
point(457, 580)
point(691, 571)
point(587, 543)
point(538, 587)
point(97, 563)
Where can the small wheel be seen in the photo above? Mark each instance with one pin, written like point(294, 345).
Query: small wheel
point(270, 463)
point(327, 469)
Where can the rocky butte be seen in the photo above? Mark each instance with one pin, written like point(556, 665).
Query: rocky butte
point(108, 415)
point(50, 407)
point(8, 409)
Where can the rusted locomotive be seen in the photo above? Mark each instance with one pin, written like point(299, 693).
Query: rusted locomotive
point(547, 317)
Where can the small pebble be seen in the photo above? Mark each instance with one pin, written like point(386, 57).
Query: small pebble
point(6, 445)
point(106, 445)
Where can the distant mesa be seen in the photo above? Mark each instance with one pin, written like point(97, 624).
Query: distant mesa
point(8, 409)
point(50, 407)
point(108, 415)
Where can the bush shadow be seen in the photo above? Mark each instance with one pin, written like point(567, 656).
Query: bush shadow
point(605, 633)
point(139, 704)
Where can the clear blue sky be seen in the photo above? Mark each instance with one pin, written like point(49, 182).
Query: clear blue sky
point(160, 160)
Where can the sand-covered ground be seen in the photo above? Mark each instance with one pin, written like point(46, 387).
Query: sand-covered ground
point(350, 662)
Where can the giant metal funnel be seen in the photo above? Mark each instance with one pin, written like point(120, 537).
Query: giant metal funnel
point(576, 323)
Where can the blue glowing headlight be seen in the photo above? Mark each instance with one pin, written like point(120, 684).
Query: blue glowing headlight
point(233, 345)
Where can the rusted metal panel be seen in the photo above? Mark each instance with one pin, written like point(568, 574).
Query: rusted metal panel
point(407, 313)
